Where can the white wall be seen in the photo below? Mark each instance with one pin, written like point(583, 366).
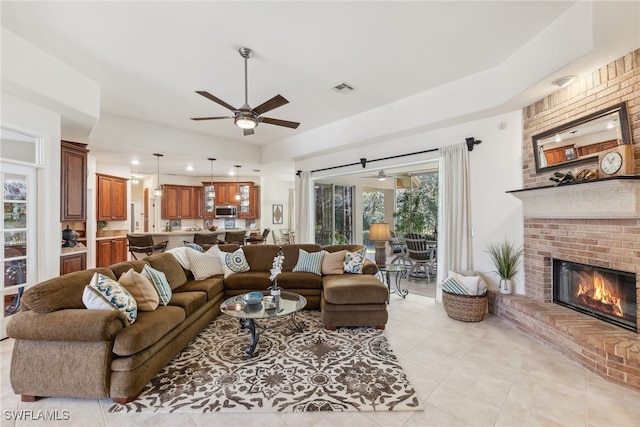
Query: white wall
point(274, 192)
point(495, 167)
point(33, 120)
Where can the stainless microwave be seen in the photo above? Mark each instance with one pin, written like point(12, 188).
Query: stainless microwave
point(226, 211)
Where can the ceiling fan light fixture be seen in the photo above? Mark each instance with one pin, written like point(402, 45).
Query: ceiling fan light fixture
point(246, 122)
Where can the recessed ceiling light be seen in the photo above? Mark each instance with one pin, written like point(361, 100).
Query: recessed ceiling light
point(564, 81)
point(135, 162)
point(189, 168)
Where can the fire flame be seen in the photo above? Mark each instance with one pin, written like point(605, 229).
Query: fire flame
point(599, 296)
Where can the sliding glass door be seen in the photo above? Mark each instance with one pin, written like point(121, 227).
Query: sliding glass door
point(334, 214)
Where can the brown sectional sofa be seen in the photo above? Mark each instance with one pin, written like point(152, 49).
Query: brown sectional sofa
point(63, 349)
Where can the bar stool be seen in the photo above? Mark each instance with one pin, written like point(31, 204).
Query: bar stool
point(143, 243)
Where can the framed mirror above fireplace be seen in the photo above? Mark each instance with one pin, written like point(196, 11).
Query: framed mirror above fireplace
point(580, 140)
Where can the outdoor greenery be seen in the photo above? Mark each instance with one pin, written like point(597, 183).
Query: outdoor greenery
point(505, 257)
point(417, 208)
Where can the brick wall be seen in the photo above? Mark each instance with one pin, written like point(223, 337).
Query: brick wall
point(606, 350)
point(612, 84)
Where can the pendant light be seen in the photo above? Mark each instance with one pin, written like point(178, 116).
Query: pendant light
point(238, 182)
point(211, 194)
point(158, 191)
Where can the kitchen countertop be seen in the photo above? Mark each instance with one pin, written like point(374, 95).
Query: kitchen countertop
point(78, 249)
point(184, 232)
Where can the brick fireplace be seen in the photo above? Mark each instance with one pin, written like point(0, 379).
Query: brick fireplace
point(580, 223)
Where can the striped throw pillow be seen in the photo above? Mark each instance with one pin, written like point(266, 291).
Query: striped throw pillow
point(309, 262)
point(204, 265)
point(453, 286)
point(159, 281)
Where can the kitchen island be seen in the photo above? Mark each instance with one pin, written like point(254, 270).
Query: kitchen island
point(177, 238)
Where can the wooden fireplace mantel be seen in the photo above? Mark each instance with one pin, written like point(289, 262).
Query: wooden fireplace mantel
point(608, 198)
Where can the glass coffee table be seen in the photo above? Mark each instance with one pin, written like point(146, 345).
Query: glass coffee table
point(285, 307)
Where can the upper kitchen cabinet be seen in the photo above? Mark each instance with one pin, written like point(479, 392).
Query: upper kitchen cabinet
point(73, 181)
point(249, 207)
point(226, 193)
point(208, 201)
point(112, 198)
point(178, 202)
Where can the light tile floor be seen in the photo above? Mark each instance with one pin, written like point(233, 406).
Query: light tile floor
point(466, 374)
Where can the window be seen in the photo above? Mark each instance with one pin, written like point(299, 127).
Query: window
point(334, 214)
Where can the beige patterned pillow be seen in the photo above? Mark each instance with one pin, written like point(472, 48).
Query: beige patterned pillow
point(332, 263)
point(141, 289)
point(204, 264)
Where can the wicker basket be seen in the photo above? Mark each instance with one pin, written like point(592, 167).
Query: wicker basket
point(467, 308)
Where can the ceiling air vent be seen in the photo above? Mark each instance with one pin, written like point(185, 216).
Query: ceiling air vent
point(343, 88)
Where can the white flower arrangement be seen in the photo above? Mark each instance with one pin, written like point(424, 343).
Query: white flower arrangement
point(277, 267)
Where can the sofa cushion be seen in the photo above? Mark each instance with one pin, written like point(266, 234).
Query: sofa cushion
point(291, 280)
point(233, 262)
point(148, 329)
point(204, 265)
point(170, 266)
point(189, 301)
point(104, 293)
point(354, 289)
point(332, 262)
point(260, 257)
point(309, 262)
point(159, 281)
point(212, 287)
point(122, 267)
point(60, 292)
point(141, 289)
point(353, 261)
point(249, 280)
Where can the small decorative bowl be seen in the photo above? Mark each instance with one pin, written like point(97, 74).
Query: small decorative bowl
point(253, 298)
point(212, 227)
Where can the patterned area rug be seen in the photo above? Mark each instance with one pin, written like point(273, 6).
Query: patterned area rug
point(351, 369)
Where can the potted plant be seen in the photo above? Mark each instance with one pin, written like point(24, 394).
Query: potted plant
point(505, 257)
point(100, 225)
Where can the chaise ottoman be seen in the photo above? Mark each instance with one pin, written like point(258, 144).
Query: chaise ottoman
point(354, 300)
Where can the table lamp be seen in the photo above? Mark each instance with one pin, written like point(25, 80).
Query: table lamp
point(380, 233)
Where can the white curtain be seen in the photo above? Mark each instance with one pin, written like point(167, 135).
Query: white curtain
point(454, 213)
point(305, 231)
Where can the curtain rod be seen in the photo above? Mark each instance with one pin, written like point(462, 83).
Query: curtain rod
point(363, 161)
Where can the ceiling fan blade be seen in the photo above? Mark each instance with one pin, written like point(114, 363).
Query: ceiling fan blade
point(214, 99)
point(248, 132)
point(278, 122)
point(273, 103)
point(211, 118)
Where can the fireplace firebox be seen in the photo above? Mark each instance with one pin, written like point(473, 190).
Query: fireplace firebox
point(606, 294)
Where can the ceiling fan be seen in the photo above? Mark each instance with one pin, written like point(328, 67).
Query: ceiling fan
point(382, 175)
point(245, 117)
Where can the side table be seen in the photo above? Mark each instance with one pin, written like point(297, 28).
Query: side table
point(400, 271)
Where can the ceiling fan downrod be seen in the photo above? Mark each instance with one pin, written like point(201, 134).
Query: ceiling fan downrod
point(246, 53)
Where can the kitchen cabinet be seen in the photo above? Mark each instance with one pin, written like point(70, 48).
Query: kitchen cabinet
point(112, 198)
point(74, 262)
point(226, 193)
point(208, 200)
point(111, 251)
point(198, 203)
point(73, 181)
point(177, 202)
point(249, 207)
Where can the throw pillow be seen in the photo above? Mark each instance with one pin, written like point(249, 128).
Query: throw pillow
point(353, 261)
point(195, 246)
point(180, 253)
point(159, 281)
point(332, 262)
point(233, 262)
point(453, 286)
point(204, 264)
point(141, 289)
point(309, 262)
point(104, 293)
point(469, 282)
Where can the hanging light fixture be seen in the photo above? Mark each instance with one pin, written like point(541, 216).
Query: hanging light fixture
point(238, 197)
point(158, 191)
point(212, 191)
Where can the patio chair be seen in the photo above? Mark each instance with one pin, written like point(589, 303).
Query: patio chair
point(421, 254)
point(143, 243)
point(398, 249)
